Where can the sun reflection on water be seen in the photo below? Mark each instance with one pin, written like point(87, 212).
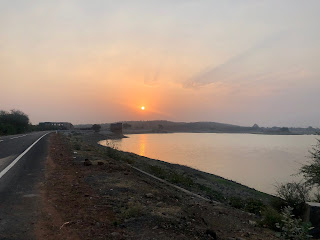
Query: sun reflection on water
point(142, 145)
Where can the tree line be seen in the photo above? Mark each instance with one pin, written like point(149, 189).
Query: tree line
point(14, 122)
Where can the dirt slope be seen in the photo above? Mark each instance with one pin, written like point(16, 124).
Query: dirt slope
point(110, 200)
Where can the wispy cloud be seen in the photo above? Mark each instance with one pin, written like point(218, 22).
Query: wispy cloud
point(256, 63)
point(151, 79)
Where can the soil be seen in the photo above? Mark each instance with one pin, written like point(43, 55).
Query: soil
point(88, 194)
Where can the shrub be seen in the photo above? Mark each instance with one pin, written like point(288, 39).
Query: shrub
point(270, 218)
point(293, 228)
point(181, 179)
point(129, 160)
point(13, 122)
point(77, 146)
point(96, 127)
point(212, 194)
point(317, 197)
point(133, 210)
point(254, 206)
point(311, 171)
point(158, 171)
point(236, 202)
point(295, 195)
point(278, 204)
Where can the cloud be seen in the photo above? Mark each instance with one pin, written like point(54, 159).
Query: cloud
point(151, 79)
point(267, 60)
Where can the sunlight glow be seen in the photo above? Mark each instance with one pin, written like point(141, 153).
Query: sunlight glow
point(142, 108)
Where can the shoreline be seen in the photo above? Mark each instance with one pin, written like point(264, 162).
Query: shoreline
point(144, 163)
point(91, 192)
point(255, 133)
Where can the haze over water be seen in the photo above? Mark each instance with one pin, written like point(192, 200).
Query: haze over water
point(258, 161)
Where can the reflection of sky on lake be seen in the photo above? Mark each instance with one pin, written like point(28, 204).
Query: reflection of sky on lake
point(259, 161)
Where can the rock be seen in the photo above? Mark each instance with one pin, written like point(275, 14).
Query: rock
point(115, 234)
point(239, 238)
point(149, 195)
point(100, 163)
point(159, 204)
point(252, 223)
point(211, 233)
point(87, 162)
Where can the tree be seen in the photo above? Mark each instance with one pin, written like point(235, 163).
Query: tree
point(13, 122)
point(311, 171)
point(96, 127)
point(126, 125)
point(284, 129)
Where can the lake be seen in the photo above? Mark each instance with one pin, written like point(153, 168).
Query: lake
point(258, 161)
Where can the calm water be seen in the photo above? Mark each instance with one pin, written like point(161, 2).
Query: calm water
point(258, 161)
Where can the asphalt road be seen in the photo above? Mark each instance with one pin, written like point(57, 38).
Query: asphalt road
point(21, 173)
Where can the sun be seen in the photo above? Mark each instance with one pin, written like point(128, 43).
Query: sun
point(142, 108)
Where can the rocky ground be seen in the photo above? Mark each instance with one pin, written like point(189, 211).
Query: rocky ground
point(91, 192)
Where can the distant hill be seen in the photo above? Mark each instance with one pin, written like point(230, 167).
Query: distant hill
point(167, 126)
point(163, 126)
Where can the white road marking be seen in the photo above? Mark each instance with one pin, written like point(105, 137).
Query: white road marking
point(4, 171)
point(1, 140)
point(18, 137)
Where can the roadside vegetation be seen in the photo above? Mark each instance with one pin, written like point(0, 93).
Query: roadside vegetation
point(286, 215)
point(17, 122)
point(14, 122)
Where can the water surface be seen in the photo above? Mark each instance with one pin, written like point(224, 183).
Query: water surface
point(258, 161)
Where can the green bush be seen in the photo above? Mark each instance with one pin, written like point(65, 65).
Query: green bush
point(133, 210)
point(212, 194)
point(158, 171)
point(311, 171)
point(278, 204)
point(295, 195)
point(13, 122)
point(96, 127)
point(292, 228)
point(255, 206)
point(270, 218)
point(236, 202)
point(180, 179)
point(316, 197)
point(77, 146)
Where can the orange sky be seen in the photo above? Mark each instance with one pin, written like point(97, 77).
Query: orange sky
point(101, 61)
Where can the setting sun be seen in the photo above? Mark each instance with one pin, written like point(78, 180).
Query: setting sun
point(142, 108)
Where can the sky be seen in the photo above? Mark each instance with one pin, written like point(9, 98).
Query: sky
point(240, 62)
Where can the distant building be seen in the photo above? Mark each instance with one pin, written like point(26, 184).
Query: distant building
point(55, 125)
point(116, 128)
